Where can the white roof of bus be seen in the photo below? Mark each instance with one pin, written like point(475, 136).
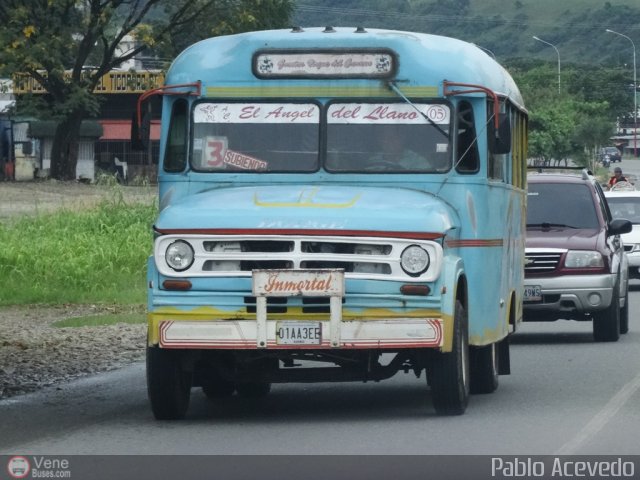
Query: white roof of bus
point(423, 59)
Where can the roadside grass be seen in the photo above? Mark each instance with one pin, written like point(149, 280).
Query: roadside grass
point(92, 256)
point(101, 319)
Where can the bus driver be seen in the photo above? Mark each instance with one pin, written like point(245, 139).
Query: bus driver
point(393, 152)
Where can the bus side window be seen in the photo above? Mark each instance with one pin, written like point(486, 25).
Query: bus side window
point(175, 155)
point(467, 145)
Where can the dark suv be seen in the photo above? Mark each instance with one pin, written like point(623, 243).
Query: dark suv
point(575, 265)
point(613, 152)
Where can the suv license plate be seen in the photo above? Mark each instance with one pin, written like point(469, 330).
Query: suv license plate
point(532, 293)
point(298, 333)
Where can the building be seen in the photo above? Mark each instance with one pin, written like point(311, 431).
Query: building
point(7, 100)
point(106, 138)
point(42, 132)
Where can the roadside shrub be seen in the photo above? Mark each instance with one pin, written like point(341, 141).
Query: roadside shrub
point(97, 255)
point(105, 178)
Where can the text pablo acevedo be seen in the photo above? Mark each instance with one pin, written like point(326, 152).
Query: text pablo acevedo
point(561, 467)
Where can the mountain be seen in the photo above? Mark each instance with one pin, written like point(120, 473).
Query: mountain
point(577, 28)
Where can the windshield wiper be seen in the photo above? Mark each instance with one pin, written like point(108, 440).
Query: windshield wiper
point(549, 225)
point(393, 87)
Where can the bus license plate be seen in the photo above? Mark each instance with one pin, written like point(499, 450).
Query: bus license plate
point(298, 333)
point(532, 293)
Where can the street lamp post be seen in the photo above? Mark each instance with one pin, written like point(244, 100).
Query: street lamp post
point(635, 94)
point(558, 52)
point(493, 55)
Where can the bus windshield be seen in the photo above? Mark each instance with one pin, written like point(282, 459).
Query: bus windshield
point(285, 137)
point(255, 137)
point(387, 137)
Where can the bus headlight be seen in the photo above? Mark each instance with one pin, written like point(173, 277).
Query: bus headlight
point(179, 255)
point(414, 260)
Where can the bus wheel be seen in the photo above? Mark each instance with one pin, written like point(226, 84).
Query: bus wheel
point(168, 383)
point(606, 323)
point(484, 368)
point(254, 389)
point(449, 375)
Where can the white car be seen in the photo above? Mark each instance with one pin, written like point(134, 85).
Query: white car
point(625, 203)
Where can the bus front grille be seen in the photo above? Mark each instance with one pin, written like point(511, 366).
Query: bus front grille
point(359, 257)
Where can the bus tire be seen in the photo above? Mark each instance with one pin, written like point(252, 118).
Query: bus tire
point(484, 368)
point(606, 323)
point(624, 315)
point(449, 372)
point(253, 389)
point(168, 383)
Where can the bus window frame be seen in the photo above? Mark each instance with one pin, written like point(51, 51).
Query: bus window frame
point(507, 111)
point(472, 145)
point(183, 103)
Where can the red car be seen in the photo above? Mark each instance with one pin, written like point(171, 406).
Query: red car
point(575, 265)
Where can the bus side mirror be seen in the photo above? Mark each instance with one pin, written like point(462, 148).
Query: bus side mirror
point(140, 134)
point(501, 138)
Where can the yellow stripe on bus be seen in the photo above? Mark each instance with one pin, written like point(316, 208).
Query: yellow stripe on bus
point(318, 91)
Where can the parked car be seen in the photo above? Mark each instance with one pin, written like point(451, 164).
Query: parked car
point(613, 153)
point(575, 265)
point(626, 204)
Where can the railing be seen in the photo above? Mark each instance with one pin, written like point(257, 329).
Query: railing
point(112, 82)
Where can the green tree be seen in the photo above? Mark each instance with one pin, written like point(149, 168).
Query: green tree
point(592, 131)
point(54, 41)
point(578, 121)
point(551, 129)
point(569, 129)
point(231, 16)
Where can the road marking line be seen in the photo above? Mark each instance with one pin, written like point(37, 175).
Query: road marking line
point(601, 418)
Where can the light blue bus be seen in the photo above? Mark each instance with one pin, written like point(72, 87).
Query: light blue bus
point(336, 204)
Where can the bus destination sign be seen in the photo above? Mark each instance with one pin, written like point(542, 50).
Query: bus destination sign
point(324, 64)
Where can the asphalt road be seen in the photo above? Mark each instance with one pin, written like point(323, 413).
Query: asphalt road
point(566, 395)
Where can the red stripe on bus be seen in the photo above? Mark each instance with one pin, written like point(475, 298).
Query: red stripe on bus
point(475, 243)
point(294, 231)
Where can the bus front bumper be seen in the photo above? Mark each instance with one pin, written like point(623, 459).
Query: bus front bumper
point(297, 334)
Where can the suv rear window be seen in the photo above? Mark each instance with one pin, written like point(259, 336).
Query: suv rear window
point(561, 204)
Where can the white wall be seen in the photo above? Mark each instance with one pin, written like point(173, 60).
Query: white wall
point(85, 168)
